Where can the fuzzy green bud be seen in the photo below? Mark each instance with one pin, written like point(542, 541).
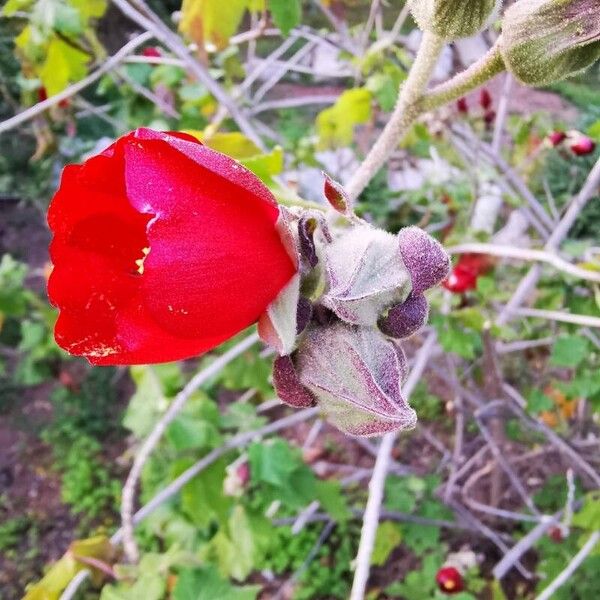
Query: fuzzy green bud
point(544, 41)
point(453, 19)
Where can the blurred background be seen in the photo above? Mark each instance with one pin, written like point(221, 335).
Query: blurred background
point(506, 451)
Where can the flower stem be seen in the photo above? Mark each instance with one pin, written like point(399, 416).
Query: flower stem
point(404, 114)
point(412, 102)
point(478, 73)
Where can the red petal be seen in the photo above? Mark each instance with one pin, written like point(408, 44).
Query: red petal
point(216, 260)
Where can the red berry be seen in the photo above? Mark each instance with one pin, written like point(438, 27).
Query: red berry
point(557, 137)
point(485, 99)
point(449, 580)
point(583, 145)
point(462, 106)
point(151, 52)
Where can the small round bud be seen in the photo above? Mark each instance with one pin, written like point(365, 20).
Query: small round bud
point(453, 19)
point(462, 106)
point(544, 41)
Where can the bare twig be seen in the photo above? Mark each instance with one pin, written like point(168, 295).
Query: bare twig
point(153, 24)
point(575, 563)
point(372, 510)
point(561, 231)
point(555, 315)
point(545, 256)
point(110, 64)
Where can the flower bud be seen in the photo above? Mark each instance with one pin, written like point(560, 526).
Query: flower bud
point(453, 19)
point(544, 41)
point(404, 320)
point(424, 257)
point(355, 375)
point(365, 275)
point(582, 145)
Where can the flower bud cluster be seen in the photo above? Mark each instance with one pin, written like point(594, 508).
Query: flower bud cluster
point(337, 324)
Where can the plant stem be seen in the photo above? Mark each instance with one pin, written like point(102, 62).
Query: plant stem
point(404, 114)
point(479, 72)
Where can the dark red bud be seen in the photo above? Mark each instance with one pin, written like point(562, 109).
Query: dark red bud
point(151, 52)
point(462, 106)
point(485, 99)
point(403, 320)
point(449, 580)
point(287, 385)
point(582, 146)
point(336, 195)
point(557, 137)
point(42, 94)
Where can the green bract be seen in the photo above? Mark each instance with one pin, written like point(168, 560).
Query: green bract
point(547, 40)
point(453, 19)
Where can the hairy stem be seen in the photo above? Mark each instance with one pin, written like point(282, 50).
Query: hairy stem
point(404, 114)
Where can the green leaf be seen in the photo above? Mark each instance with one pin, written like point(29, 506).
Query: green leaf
point(569, 351)
point(149, 586)
point(211, 21)
point(329, 494)
point(205, 583)
point(273, 462)
point(63, 65)
point(286, 14)
point(90, 9)
point(335, 125)
point(202, 499)
point(538, 402)
point(147, 404)
point(388, 537)
point(589, 515)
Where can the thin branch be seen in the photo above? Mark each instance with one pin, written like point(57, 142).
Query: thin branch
point(575, 563)
point(373, 508)
point(175, 44)
point(403, 116)
point(527, 254)
point(555, 315)
point(110, 64)
point(560, 232)
point(129, 544)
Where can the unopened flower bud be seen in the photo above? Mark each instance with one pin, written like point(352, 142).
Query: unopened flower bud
point(544, 41)
point(404, 320)
point(355, 375)
point(365, 275)
point(453, 19)
point(425, 258)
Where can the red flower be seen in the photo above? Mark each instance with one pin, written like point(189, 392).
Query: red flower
point(485, 99)
point(449, 580)
point(464, 274)
point(583, 145)
point(162, 250)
